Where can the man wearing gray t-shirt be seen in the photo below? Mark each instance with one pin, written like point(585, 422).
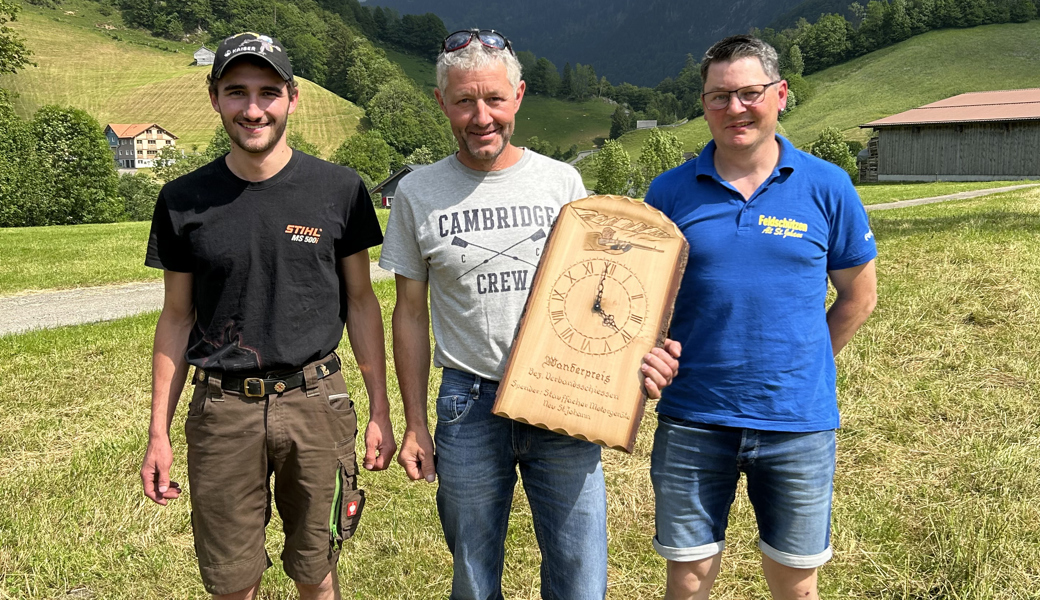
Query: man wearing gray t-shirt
point(469, 230)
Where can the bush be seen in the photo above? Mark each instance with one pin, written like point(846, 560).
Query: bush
point(138, 192)
point(831, 147)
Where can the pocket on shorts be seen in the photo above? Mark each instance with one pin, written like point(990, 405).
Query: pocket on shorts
point(347, 506)
point(453, 408)
point(337, 397)
point(199, 399)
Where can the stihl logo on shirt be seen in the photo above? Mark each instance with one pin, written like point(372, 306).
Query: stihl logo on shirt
point(352, 509)
point(307, 235)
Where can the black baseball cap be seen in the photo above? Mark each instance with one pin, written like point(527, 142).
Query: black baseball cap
point(253, 44)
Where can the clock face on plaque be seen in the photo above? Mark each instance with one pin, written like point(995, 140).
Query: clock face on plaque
point(601, 298)
point(597, 306)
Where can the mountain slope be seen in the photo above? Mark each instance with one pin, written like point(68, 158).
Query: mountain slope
point(81, 65)
point(639, 41)
point(923, 69)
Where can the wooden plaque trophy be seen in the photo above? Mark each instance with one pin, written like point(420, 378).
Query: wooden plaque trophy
point(602, 298)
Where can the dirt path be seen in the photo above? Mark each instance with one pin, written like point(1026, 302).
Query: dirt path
point(43, 310)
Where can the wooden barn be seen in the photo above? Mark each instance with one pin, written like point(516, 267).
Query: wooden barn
point(980, 136)
point(388, 187)
point(204, 57)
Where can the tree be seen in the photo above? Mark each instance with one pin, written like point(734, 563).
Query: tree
point(219, 144)
point(795, 64)
point(566, 82)
point(826, 42)
point(421, 156)
point(368, 154)
point(367, 68)
point(138, 193)
point(583, 82)
point(13, 53)
point(1022, 11)
point(296, 141)
point(527, 62)
point(660, 152)
point(613, 169)
point(544, 79)
point(408, 119)
point(78, 167)
point(831, 147)
point(620, 122)
point(21, 191)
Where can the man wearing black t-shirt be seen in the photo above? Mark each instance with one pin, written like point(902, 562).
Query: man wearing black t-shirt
point(265, 260)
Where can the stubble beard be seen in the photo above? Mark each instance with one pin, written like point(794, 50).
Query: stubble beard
point(252, 145)
point(485, 155)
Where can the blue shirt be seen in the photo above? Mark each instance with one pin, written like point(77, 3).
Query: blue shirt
point(751, 314)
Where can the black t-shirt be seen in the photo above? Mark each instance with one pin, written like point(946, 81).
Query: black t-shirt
point(265, 259)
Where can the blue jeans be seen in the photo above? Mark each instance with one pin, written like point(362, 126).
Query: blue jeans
point(695, 469)
point(477, 458)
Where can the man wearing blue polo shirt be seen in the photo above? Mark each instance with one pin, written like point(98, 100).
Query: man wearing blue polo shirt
point(756, 388)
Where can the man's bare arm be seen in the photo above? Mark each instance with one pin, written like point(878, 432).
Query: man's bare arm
point(411, 329)
point(169, 370)
point(365, 332)
point(857, 296)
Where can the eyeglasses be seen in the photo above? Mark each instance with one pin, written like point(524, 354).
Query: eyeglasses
point(488, 37)
point(748, 96)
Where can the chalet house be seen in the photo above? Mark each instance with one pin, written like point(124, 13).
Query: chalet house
point(137, 145)
point(204, 57)
point(979, 136)
point(388, 187)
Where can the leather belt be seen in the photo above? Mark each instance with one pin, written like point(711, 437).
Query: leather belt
point(255, 387)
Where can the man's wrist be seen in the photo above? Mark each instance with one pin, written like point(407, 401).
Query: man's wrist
point(158, 434)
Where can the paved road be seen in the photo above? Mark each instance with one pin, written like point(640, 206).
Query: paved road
point(42, 310)
point(957, 196)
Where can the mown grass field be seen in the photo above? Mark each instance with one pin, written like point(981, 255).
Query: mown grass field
point(563, 123)
point(80, 65)
point(69, 256)
point(923, 69)
point(936, 495)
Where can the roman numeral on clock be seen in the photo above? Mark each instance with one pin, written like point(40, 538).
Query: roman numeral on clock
point(556, 296)
point(586, 345)
point(567, 335)
point(556, 316)
point(626, 336)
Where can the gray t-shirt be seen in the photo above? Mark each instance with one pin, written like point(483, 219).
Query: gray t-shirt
point(476, 237)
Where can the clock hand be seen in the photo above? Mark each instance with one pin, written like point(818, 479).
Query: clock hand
point(608, 321)
point(597, 305)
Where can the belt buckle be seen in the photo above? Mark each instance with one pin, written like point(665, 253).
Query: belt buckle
point(252, 383)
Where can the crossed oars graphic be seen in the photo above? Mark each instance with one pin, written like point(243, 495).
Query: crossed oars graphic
point(461, 243)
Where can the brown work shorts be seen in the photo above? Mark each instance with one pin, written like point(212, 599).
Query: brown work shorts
point(305, 438)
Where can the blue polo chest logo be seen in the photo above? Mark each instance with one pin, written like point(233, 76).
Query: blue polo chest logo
point(782, 227)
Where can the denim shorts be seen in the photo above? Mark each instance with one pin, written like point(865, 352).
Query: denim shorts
point(790, 480)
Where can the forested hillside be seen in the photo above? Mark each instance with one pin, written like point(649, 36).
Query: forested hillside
point(638, 41)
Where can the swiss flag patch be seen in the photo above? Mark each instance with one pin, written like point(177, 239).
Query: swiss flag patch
point(352, 509)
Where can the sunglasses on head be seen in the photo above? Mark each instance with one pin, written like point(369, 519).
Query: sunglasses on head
point(488, 37)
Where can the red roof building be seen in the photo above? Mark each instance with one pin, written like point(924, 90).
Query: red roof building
point(978, 136)
point(137, 145)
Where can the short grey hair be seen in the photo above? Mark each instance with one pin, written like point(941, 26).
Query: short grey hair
point(737, 47)
point(477, 56)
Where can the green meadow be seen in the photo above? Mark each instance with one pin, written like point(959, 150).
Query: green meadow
point(936, 495)
point(69, 256)
point(141, 79)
